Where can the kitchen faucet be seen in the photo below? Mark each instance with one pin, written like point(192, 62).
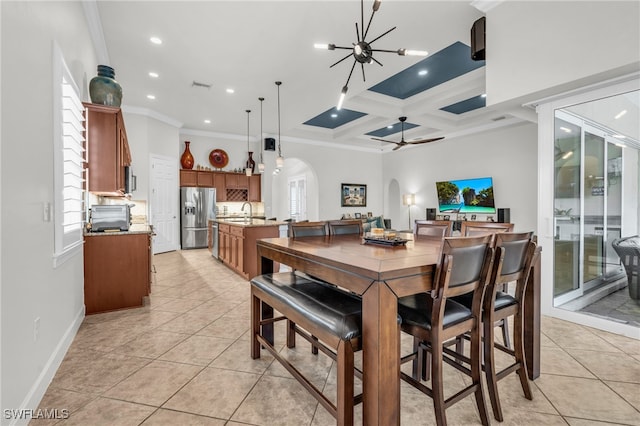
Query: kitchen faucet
point(250, 208)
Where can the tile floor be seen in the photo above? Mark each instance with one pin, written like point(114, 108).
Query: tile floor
point(184, 360)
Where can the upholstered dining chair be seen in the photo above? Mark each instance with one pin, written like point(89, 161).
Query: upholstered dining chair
point(343, 227)
point(433, 229)
point(307, 229)
point(434, 318)
point(515, 255)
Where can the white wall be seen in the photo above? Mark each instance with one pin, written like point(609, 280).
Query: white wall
point(508, 155)
point(31, 287)
point(533, 46)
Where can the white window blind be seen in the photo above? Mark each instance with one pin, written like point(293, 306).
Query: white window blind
point(69, 158)
point(298, 197)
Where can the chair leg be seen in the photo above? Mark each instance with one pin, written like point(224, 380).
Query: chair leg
point(505, 333)
point(476, 370)
point(291, 334)
point(490, 369)
point(518, 343)
point(314, 348)
point(437, 382)
point(255, 326)
point(345, 376)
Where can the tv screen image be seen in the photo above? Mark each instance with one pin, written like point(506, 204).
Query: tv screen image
point(466, 196)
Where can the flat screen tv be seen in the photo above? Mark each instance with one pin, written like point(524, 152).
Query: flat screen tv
point(466, 196)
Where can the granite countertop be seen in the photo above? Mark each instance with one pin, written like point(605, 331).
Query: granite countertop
point(239, 221)
point(136, 228)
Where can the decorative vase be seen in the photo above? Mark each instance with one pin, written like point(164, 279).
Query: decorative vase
point(186, 161)
point(250, 163)
point(104, 89)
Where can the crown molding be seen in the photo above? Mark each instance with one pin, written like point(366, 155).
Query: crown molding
point(152, 114)
point(94, 24)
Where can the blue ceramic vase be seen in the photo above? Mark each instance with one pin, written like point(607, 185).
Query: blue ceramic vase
point(104, 89)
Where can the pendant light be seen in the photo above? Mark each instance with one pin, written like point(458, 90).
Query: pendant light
point(261, 163)
point(248, 169)
point(280, 159)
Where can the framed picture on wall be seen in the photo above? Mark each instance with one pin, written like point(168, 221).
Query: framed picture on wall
point(357, 215)
point(353, 195)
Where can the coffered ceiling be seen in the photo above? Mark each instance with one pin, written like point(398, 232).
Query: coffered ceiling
point(248, 45)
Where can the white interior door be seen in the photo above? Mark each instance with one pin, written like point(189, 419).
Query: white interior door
point(164, 203)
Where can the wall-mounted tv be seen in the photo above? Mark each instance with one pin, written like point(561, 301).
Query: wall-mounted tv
point(466, 196)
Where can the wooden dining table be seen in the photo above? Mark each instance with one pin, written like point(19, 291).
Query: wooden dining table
point(380, 274)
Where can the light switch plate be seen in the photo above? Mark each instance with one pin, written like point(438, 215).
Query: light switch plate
point(46, 211)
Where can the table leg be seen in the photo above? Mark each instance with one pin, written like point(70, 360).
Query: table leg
point(532, 322)
point(381, 356)
point(265, 266)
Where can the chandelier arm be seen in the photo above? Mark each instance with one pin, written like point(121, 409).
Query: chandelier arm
point(357, 33)
point(351, 72)
point(361, 19)
point(341, 60)
point(368, 25)
point(377, 61)
point(343, 47)
point(382, 35)
point(384, 50)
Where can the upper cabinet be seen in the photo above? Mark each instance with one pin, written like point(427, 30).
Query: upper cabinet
point(107, 149)
point(229, 186)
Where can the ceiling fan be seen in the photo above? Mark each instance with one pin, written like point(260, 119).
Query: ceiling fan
point(403, 142)
point(362, 50)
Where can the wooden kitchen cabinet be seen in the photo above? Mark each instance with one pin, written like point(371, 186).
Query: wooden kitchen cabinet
point(107, 149)
point(205, 179)
point(220, 186)
point(117, 271)
point(255, 192)
point(237, 246)
point(188, 178)
point(237, 181)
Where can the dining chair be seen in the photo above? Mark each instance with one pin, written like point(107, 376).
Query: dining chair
point(343, 227)
point(434, 318)
point(490, 228)
point(432, 229)
point(307, 229)
point(469, 229)
point(515, 255)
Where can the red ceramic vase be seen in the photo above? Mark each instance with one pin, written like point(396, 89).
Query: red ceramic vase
point(186, 161)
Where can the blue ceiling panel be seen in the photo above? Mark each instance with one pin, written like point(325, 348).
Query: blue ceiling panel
point(444, 65)
point(386, 131)
point(332, 118)
point(466, 105)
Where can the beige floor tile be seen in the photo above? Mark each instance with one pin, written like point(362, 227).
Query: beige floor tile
point(169, 417)
point(198, 350)
point(575, 397)
point(106, 337)
point(62, 403)
point(619, 367)
point(226, 326)
point(151, 344)
point(314, 367)
point(571, 336)
point(237, 357)
point(629, 391)
point(213, 392)
point(179, 305)
point(109, 412)
point(555, 360)
point(154, 384)
point(582, 422)
point(277, 400)
point(625, 344)
point(187, 323)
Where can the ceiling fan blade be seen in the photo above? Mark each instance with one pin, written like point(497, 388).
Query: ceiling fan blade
point(425, 140)
point(397, 147)
point(384, 140)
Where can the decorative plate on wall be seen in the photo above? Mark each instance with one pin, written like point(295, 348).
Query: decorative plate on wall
point(218, 158)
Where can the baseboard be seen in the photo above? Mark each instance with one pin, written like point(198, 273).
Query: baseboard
point(39, 388)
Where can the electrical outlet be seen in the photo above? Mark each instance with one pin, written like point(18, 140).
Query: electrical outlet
point(36, 329)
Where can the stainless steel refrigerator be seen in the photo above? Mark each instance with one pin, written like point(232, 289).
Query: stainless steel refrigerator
point(198, 205)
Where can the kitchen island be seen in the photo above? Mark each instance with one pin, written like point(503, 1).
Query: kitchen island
point(237, 242)
point(117, 268)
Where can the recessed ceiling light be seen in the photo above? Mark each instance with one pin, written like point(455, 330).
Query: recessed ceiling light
point(207, 121)
point(334, 115)
point(565, 129)
point(621, 113)
point(423, 72)
point(484, 95)
point(153, 74)
point(621, 145)
point(230, 90)
point(152, 97)
point(390, 126)
point(155, 40)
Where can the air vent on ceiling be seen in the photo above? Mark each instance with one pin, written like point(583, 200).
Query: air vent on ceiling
point(197, 84)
